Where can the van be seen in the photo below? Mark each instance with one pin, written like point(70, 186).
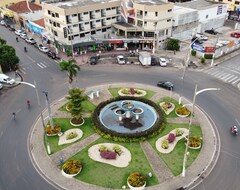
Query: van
point(6, 79)
point(145, 58)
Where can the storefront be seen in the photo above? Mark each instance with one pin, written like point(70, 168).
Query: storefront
point(34, 27)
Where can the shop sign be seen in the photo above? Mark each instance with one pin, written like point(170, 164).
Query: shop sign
point(198, 47)
point(115, 41)
point(209, 49)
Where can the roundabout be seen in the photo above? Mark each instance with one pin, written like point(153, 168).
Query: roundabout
point(165, 176)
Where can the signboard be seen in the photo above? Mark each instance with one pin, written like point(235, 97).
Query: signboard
point(209, 49)
point(65, 33)
point(198, 47)
point(34, 27)
point(115, 41)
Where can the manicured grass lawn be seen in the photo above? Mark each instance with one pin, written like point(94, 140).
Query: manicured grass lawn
point(114, 92)
point(110, 176)
point(87, 129)
point(87, 107)
point(175, 102)
point(174, 159)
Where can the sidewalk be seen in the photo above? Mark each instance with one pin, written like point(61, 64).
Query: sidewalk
point(47, 165)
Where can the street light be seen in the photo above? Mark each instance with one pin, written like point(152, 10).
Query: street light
point(212, 62)
point(49, 109)
point(39, 106)
point(190, 123)
point(71, 42)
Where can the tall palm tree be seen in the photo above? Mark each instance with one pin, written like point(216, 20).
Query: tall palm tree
point(71, 67)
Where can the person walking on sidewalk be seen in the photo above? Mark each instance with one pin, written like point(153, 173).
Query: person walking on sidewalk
point(14, 116)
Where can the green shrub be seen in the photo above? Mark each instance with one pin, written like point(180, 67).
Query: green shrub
point(117, 149)
point(203, 60)
point(165, 144)
point(71, 135)
point(102, 148)
point(178, 132)
point(193, 53)
point(208, 56)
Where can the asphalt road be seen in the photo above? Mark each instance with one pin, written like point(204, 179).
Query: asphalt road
point(17, 171)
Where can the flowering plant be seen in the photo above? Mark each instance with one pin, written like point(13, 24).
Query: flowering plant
point(72, 166)
point(136, 179)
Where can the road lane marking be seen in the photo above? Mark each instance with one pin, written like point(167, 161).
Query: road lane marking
point(233, 79)
point(230, 77)
point(236, 81)
point(220, 76)
point(227, 75)
point(217, 73)
point(40, 65)
point(43, 65)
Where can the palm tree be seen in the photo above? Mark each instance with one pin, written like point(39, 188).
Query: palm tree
point(71, 67)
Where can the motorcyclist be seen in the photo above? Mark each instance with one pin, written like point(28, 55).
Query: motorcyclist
point(25, 49)
point(234, 129)
point(17, 39)
point(28, 103)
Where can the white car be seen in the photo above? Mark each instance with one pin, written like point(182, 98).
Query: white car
point(30, 40)
point(18, 32)
point(1, 86)
point(6, 79)
point(121, 59)
point(23, 35)
point(43, 49)
point(201, 36)
point(163, 62)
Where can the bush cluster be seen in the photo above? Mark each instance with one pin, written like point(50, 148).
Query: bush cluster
point(171, 137)
point(182, 111)
point(178, 132)
point(193, 53)
point(72, 166)
point(117, 149)
point(71, 135)
point(208, 56)
point(165, 144)
point(136, 179)
point(194, 141)
point(110, 155)
point(128, 137)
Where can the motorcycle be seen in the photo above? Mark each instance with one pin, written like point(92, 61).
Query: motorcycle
point(234, 130)
point(25, 49)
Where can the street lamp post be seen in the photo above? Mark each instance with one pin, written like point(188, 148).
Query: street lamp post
point(39, 106)
point(71, 42)
point(190, 123)
point(49, 109)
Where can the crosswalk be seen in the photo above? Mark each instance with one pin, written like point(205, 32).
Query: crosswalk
point(224, 75)
point(41, 65)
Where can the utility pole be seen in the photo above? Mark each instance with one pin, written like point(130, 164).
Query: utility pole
point(49, 109)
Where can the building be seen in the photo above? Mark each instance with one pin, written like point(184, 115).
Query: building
point(74, 23)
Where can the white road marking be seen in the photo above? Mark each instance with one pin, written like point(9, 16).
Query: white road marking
point(43, 65)
point(230, 77)
point(15, 154)
point(233, 79)
point(40, 65)
point(215, 72)
point(236, 81)
point(220, 76)
point(227, 75)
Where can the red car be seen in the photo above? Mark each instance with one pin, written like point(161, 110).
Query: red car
point(235, 34)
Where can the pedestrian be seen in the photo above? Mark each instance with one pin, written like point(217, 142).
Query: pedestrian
point(16, 73)
point(14, 116)
point(61, 161)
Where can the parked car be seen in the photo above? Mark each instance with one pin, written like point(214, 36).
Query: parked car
point(1, 86)
point(23, 35)
point(197, 40)
point(30, 40)
point(165, 84)
point(43, 49)
point(163, 62)
point(6, 79)
point(93, 60)
point(18, 32)
point(121, 59)
point(212, 31)
point(51, 54)
point(201, 36)
point(235, 34)
point(11, 28)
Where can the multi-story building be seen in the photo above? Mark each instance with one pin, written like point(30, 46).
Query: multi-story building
point(149, 22)
point(73, 23)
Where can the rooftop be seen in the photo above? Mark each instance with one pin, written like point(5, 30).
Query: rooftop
point(66, 4)
point(21, 7)
point(198, 4)
point(150, 2)
point(40, 22)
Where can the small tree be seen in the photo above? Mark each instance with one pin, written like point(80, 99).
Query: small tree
point(76, 98)
point(193, 52)
point(203, 60)
point(173, 44)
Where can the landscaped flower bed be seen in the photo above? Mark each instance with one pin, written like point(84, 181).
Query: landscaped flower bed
point(182, 112)
point(77, 122)
point(52, 132)
point(71, 168)
point(194, 142)
point(167, 107)
point(136, 181)
point(132, 92)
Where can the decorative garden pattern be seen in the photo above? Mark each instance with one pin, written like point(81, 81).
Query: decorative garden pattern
point(70, 136)
point(132, 92)
point(167, 107)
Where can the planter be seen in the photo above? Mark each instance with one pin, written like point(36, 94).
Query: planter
point(181, 115)
point(70, 175)
point(194, 148)
point(53, 133)
point(137, 188)
point(168, 110)
point(75, 124)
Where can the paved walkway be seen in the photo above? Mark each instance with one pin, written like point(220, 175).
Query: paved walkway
point(47, 165)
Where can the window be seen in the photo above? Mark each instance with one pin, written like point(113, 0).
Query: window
point(86, 23)
point(113, 8)
point(169, 10)
point(169, 20)
point(237, 2)
point(167, 32)
point(82, 35)
point(145, 23)
point(54, 24)
point(57, 15)
point(53, 15)
point(108, 9)
point(108, 18)
point(58, 25)
point(145, 13)
point(156, 13)
point(55, 33)
point(74, 15)
point(230, 0)
point(76, 35)
point(50, 21)
point(85, 13)
point(97, 11)
point(206, 16)
point(75, 25)
point(113, 17)
point(49, 12)
point(104, 30)
point(97, 20)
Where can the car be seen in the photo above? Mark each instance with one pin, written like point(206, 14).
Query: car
point(163, 62)
point(11, 28)
point(30, 40)
point(197, 40)
point(212, 31)
point(51, 54)
point(43, 49)
point(165, 84)
point(201, 36)
point(121, 60)
point(6, 79)
point(235, 34)
point(18, 32)
point(23, 35)
point(93, 60)
point(1, 86)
